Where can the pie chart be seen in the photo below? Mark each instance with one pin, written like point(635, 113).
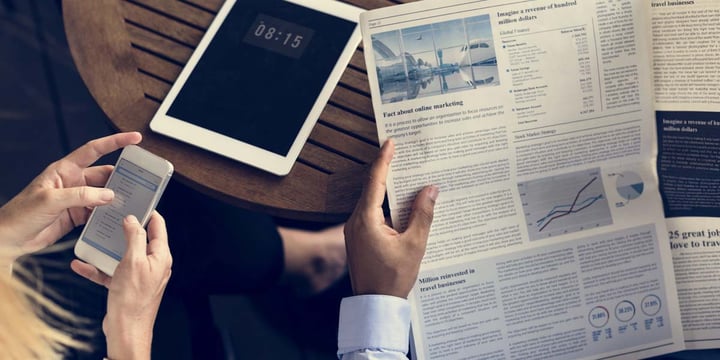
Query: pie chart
point(630, 185)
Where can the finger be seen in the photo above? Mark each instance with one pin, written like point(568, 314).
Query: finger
point(136, 238)
point(90, 272)
point(93, 150)
point(80, 216)
point(374, 191)
point(97, 175)
point(157, 235)
point(81, 196)
point(422, 213)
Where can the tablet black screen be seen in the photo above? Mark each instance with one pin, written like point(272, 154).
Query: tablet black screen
point(262, 72)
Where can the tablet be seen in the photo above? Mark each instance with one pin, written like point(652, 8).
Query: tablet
point(259, 79)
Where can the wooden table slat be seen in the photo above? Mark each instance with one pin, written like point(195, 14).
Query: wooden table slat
point(180, 11)
point(157, 66)
point(358, 60)
point(157, 44)
point(154, 88)
point(352, 100)
point(209, 5)
point(349, 122)
point(343, 144)
point(173, 29)
point(356, 80)
point(328, 161)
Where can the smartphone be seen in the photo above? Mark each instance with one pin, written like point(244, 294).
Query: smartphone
point(138, 180)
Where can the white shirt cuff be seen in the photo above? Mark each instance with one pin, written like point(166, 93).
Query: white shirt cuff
point(374, 322)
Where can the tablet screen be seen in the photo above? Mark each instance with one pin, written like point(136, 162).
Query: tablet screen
point(262, 72)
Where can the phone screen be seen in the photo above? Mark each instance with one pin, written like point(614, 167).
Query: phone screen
point(135, 190)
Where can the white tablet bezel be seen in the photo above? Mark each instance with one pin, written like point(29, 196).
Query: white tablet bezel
point(243, 151)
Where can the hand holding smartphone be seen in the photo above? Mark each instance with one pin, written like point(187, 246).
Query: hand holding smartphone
point(138, 180)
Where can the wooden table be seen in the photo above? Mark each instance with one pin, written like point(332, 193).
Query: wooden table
point(129, 53)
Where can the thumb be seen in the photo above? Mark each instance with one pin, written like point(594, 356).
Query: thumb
point(80, 196)
point(136, 238)
point(90, 272)
point(421, 216)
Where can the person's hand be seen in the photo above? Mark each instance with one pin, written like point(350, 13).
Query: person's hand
point(135, 290)
point(383, 261)
point(60, 198)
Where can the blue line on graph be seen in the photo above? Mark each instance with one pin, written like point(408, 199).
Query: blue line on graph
point(572, 209)
point(556, 209)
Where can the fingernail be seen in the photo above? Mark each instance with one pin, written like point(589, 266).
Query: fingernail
point(106, 195)
point(131, 219)
point(434, 192)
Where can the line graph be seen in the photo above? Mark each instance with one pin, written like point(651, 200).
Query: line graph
point(556, 213)
point(564, 203)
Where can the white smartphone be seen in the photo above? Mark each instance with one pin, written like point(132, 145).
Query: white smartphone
point(138, 180)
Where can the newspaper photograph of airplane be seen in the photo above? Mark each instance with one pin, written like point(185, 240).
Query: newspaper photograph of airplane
point(435, 59)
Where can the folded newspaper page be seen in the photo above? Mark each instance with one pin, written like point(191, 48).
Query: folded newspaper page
point(686, 49)
point(537, 121)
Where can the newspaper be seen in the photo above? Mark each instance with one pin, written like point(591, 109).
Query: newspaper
point(536, 119)
point(686, 49)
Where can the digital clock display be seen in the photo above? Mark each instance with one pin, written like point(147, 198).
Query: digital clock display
point(278, 35)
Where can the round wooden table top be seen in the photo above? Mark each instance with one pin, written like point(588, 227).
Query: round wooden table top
point(129, 53)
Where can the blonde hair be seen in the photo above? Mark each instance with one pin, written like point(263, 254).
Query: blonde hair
point(25, 329)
